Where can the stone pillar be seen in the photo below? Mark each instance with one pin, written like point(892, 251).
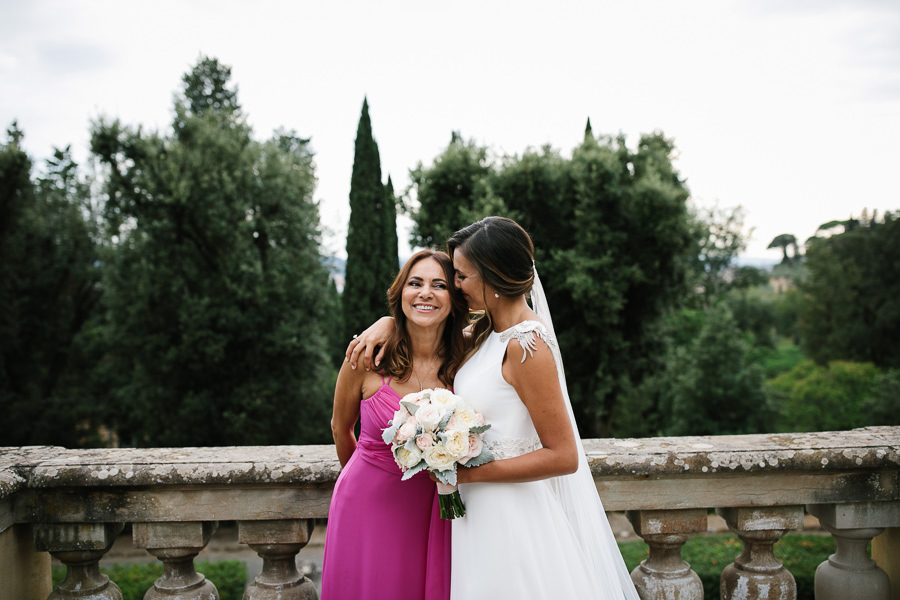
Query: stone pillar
point(664, 575)
point(277, 543)
point(756, 573)
point(24, 572)
point(176, 545)
point(80, 546)
point(886, 552)
point(849, 572)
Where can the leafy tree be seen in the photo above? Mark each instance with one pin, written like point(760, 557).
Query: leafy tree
point(753, 315)
point(625, 271)
point(713, 388)
point(785, 241)
point(216, 292)
point(648, 403)
point(849, 309)
point(613, 247)
point(883, 408)
point(372, 260)
point(813, 397)
point(446, 190)
point(535, 190)
point(49, 289)
point(786, 310)
point(720, 232)
point(207, 91)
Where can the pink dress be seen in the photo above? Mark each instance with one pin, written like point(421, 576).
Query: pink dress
point(384, 538)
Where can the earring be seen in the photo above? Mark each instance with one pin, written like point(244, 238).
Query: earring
point(496, 295)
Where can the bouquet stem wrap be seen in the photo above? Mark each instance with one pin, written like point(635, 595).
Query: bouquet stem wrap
point(450, 501)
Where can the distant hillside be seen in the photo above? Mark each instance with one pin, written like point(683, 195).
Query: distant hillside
point(754, 261)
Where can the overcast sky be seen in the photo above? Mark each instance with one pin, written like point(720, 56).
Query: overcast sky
point(788, 109)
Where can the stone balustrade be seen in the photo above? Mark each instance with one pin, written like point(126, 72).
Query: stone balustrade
point(72, 504)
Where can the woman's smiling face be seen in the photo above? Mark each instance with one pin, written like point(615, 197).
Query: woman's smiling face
point(426, 294)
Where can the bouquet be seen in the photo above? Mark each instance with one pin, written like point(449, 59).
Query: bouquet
point(436, 430)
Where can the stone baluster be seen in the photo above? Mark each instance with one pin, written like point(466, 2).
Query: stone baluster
point(277, 543)
point(756, 573)
point(849, 572)
point(664, 575)
point(176, 545)
point(80, 546)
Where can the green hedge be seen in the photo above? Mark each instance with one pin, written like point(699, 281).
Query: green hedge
point(709, 554)
point(134, 579)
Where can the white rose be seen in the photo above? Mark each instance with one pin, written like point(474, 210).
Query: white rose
point(429, 416)
point(457, 442)
point(468, 417)
point(400, 416)
point(438, 458)
point(412, 398)
point(407, 458)
point(445, 399)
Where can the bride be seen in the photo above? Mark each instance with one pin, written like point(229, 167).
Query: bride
point(534, 524)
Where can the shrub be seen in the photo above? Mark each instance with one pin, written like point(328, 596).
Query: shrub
point(812, 397)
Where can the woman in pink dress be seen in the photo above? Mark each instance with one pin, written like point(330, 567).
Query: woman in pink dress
point(385, 538)
point(534, 525)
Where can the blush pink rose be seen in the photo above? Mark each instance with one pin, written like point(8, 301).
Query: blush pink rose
point(407, 430)
point(456, 423)
point(425, 440)
point(475, 447)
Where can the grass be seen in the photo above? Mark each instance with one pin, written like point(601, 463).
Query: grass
point(229, 576)
point(785, 357)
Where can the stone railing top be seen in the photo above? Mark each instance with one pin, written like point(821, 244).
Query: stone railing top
point(867, 448)
point(16, 461)
point(53, 467)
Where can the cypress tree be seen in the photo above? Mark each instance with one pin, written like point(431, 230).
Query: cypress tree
point(391, 258)
point(371, 235)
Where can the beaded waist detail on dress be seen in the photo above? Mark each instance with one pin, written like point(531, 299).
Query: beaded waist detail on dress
point(512, 447)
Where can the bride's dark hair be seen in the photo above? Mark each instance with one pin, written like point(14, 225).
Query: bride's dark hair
point(502, 253)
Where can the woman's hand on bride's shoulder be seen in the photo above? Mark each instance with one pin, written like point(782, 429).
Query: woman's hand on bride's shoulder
point(362, 348)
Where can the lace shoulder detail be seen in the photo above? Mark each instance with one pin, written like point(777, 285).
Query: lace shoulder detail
point(525, 333)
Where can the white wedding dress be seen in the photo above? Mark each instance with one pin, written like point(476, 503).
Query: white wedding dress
point(526, 540)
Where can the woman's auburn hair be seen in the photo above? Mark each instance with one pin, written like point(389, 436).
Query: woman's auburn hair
point(502, 253)
point(398, 351)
